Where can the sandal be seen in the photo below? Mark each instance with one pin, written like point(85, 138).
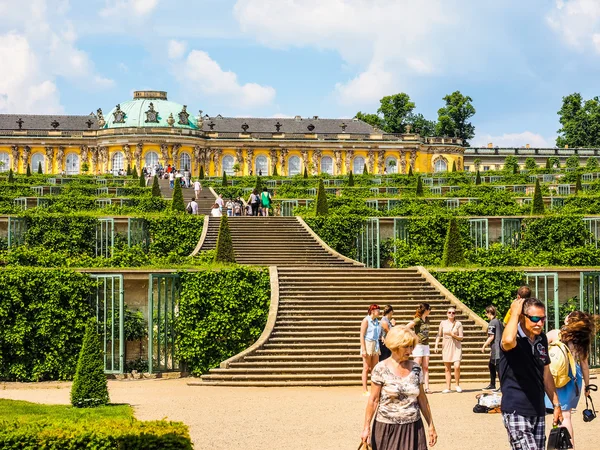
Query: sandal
point(428, 391)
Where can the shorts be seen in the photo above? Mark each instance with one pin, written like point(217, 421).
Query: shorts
point(371, 348)
point(421, 350)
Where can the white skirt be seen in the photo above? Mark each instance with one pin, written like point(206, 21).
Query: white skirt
point(421, 350)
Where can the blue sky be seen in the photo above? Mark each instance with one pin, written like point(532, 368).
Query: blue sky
point(330, 58)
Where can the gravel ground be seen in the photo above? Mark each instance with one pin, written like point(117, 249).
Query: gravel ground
point(222, 418)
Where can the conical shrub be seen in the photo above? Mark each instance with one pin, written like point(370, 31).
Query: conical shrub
point(548, 164)
point(155, 187)
point(39, 168)
point(11, 176)
point(201, 176)
point(410, 172)
point(28, 172)
point(305, 172)
point(275, 174)
point(351, 179)
point(453, 166)
point(142, 181)
point(90, 388)
point(453, 250)
point(477, 178)
point(259, 184)
point(224, 182)
point(578, 186)
point(365, 170)
point(177, 203)
point(128, 170)
point(134, 173)
point(419, 187)
point(322, 208)
point(537, 207)
point(225, 253)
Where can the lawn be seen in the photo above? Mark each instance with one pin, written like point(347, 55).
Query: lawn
point(11, 410)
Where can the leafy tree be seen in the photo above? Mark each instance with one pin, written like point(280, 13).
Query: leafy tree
point(365, 170)
point(553, 163)
point(453, 119)
point(305, 172)
point(453, 250)
point(578, 186)
point(420, 125)
point(28, 171)
point(410, 172)
point(224, 251)
point(477, 163)
point(372, 119)
point(201, 176)
point(142, 181)
point(236, 168)
point(572, 161)
point(511, 164)
point(134, 173)
point(477, 178)
point(537, 207)
point(177, 204)
point(530, 163)
point(322, 208)
point(90, 388)
point(224, 183)
point(580, 122)
point(396, 110)
point(419, 187)
point(128, 170)
point(259, 184)
point(39, 168)
point(155, 187)
point(275, 171)
point(453, 166)
point(351, 179)
point(592, 163)
point(11, 176)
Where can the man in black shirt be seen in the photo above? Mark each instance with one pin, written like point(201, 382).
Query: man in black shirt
point(525, 376)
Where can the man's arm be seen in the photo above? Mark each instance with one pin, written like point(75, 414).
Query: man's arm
point(550, 389)
point(509, 336)
point(487, 342)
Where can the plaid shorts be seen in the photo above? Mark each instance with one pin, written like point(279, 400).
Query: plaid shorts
point(525, 432)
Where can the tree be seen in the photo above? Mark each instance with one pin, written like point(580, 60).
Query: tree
point(11, 176)
point(553, 163)
point(453, 249)
point(453, 118)
point(236, 168)
point(225, 253)
point(28, 171)
point(419, 191)
point(453, 166)
point(396, 110)
point(275, 171)
point(134, 173)
point(365, 170)
point(322, 208)
point(224, 182)
point(410, 172)
point(580, 122)
point(85, 167)
point(155, 187)
point(530, 163)
point(39, 168)
point(142, 181)
point(201, 176)
point(477, 163)
point(420, 125)
point(305, 172)
point(477, 178)
point(351, 179)
point(572, 161)
point(128, 170)
point(259, 184)
point(511, 164)
point(177, 204)
point(90, 388)
point(372, 119)
point(537, 207)
point(592, 163)
point(578, 186)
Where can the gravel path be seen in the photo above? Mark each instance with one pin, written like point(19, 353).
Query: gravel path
point(223, 418)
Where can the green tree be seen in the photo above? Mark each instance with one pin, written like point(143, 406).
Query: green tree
point(477, 163)
point(453, 249)
point(578, 186)
point(592, 163)
point(365, 170)
point(537, 207)
point(11, 176)
point(477, 178)
point(224, 182)
point(553, 163)
point(134, 172)
point(90, 388)
point(28, 171)
point(410, 172)
point(580, 122)
point(305, 172)
point(224, 251)
point(39, 168)
point(155, 187)
point(420, 125)
point(419, 191)
point(128, 170)
point(351, 179)
point(511, 164)
point(396, 110)
point(322, 208)
point(142, 181)
point(453, 166)
point(259, 184)
point(572, 161)
point(275, 171)
point(530, 163)
point(201, 176)
point(453, 118)
point(372, 119)
point(177, 203)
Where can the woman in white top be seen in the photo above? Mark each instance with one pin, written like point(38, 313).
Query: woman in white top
point(215, 211)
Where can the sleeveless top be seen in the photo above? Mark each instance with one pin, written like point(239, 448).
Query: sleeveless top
point(389, 324)
point(266, 200)
point(422, 330)
point(373, 329)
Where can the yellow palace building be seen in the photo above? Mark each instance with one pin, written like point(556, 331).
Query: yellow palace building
point(151, 130)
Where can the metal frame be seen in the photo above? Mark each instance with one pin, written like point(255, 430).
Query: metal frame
point(163, 298)
point(589, 301)
point(541, 291)
point(593, 224)
point(367, 243)
point(137, 232)
point(105, 236)
point(287, 207)
point(17, 228)
point(478, 229)
point(511, 232)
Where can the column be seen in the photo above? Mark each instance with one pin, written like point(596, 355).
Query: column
point(49, 160)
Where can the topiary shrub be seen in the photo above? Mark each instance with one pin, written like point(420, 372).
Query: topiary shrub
point(90, 388)
point(305, 172)
point(39, 168)
point(477, 179)
point(578, 186)
point(128, 170)
point(410, 172)
point(275, 174)
point(365, 170)
point(592, 163)
point(351, 179)
point(177, 204)
point(28, 171)
point(155, 187)
point(322, 208)
point(259, 185)
point(453, 166)
point(537, 207)
point(224, 182)
point(530, 163)
point(134, 173)
point(419, 186)
point(225, 253)
point(11, 176)
point(453, 250)
point(201, 176)
point(142, 181)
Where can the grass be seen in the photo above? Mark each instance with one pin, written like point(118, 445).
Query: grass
point(11, 410)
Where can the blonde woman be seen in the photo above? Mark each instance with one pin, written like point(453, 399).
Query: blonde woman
point(452, 332)
point(398, 397)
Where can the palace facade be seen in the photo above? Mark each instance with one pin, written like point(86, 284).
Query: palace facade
point(150, 130)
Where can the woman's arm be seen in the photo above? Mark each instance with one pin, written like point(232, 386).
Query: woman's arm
point(363, 331)
point(552, 336)
point(410, 324)
point(585, 370)
point(371, 408)
point(458, 335)
point(385, 326)
point(437, 338)
point(426, 411)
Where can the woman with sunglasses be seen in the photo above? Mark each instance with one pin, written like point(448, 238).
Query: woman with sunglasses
point(421, 352)
point(577, 334)
point(370, 334)
point(452, 332)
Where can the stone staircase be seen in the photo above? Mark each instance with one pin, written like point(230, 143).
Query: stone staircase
point(315, 337)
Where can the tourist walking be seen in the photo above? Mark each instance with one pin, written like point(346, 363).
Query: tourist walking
point(254, 202)
point(192, 206)
point(421, 353)
point(370, 334)
point(525, 375)
point(197, 188)
point(265, 200)
point(387, 322)
point(171, 179)
point(215, 210)
point(229, 207)
point(220, 202)
point(494, 332)
point(572, 342)
point(451, 330)
point(398, 397)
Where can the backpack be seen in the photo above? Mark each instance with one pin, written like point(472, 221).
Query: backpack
point(189, 208)
point(562, 363)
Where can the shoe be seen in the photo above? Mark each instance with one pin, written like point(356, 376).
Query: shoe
point(428, 391)
point(458, 389)
point(496, 390)
point(446, 391)
point(366, 394)
point(489, 387)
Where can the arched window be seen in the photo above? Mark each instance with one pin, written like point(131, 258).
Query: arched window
point(4, 162)
point(228, 163)
point(262, 165)
point(185, 162)
point(72, 164)
point(117, 163)
point(359, 165)
point(391, 164)
point(327, 165)
point(151, 159)
point(440, 166)
point(293, 166)
point(36, 160)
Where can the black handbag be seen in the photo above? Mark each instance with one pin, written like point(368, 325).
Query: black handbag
point(589, 414)
point(559, 439)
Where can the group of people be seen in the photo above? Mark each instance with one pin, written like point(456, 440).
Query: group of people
point(258, 204)
point(169, 173)
point(520, 357)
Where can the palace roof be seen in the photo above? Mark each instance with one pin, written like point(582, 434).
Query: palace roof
point(47, 122)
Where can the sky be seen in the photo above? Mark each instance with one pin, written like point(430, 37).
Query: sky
point(281, 58)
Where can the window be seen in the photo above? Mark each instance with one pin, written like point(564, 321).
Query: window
point(117, 163)
point(36, 160)
point(228, 163)
point(72, 164)
point(151, 159)
point(293, 166)
point(440, 166)
point(4, 162)
point(262, 166)
point(486, 168)
point(185, 162)
point(391, 164)
point(327, 165)
point(359, 165)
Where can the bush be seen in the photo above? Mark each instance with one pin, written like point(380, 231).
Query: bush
point(11, 176)
point(225, 253)
point(530, 163)
point(90, 388)
point(155, 187)
point(537, 207)
point(453, 249)
point(410, 171)
point(177, 204)
point(592, 163)
point(142, 181)
point(305, 172)
point(578, 187)
point(351, 179)
point(39, 168)
point(338, 231)
point(511, 164)
point(477, 178)
point(572, 161)
point(224, 182)
point(201, 176)
point(321, 207)
point(419, 186)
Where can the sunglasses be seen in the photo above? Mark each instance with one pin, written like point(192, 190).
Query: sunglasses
point(535, 319)
point(451, 312)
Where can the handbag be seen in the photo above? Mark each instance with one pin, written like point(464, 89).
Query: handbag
point(589, 414)
point(364, 446)
point(559, 439)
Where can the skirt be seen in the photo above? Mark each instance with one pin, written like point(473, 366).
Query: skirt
point(408, 436)
point(385, 352)
point(421, 350)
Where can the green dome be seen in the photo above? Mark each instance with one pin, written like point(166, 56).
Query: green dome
point(149, 109)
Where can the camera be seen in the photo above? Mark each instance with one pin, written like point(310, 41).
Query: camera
point(588, 415)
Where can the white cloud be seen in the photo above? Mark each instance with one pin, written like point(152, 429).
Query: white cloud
point(419, 66)
point(366, 88)
point(204, 75)
point(176, 49)
point(514, 140)
point(576, 21)
point(123, 8)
